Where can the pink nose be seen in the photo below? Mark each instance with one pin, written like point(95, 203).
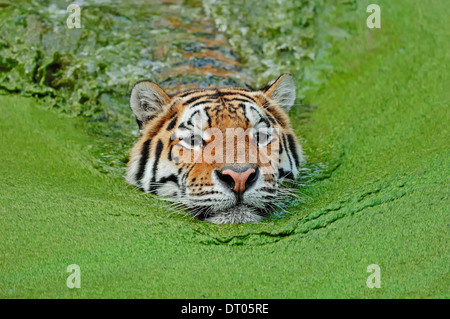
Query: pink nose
point(240, 178)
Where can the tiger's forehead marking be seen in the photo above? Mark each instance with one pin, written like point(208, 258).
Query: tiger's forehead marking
point(220, 109)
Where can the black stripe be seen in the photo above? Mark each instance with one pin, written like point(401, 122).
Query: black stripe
point(214, 96)
point(282, 173)
point(293, 149)
point(170, 178)
point(140, 124)
point(244, 111)
point(170, 152)
point(202, 102)
point(143, 161)
point(274, 122)
point(257, 110)
point(189, 92)
point(269, 190)
point(195, 98)
point(238, 93)
point(280, 150)
point(287, 153)
point(185, 175)
point(159, 148)
point(204, 193)
point(189, 122)
point(172, 123)
point(238, 99)
point(209, 119)
point(263, 119)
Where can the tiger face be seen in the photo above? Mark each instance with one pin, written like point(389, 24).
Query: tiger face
point(220, 153)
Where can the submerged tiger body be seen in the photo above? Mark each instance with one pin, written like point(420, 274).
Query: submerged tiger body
point(221, 153)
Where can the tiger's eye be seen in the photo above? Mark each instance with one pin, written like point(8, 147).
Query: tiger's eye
point(196, 141)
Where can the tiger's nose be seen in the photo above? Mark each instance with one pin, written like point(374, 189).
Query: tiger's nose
point(238, 179)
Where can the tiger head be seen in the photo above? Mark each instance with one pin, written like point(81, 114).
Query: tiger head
point(221, 153)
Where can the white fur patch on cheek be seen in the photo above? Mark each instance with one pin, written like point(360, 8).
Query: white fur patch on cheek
point(168, 189)
point(133, 168)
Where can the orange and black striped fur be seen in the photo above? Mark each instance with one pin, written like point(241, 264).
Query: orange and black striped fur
point(182, 152)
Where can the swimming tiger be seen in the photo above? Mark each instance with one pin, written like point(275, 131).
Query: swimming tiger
point(221, 153)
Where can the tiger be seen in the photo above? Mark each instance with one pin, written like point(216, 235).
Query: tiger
point(173, 157)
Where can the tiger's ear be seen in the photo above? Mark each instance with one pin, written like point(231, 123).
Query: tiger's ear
point(147, 100)
point(282, 91)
